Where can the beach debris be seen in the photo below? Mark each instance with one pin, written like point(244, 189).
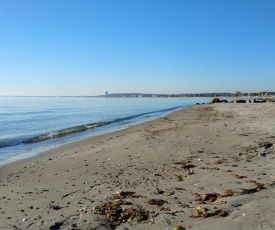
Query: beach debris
point(109, 206)
point(265, 144)
point(201, 212)
point(185, 164)
point(181, 189)
point(250, 148)
point(158, 202)
point(54, 207)
point(209, 197)
point(220, 202)
point(251, 181)
point(230, 192)
point(242, 191)
point(117, 215)
point(263, 154)
point(258, 188)
point(179, 177)
point(209, 168)
point(220, 161)
point(158, 191)
point(122, 195)
point(169, 193)
point(244, 134)
point(237, 176)
point(176, 227)
point(162, 208)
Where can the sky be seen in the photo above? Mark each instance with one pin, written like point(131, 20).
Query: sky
point(85, 47)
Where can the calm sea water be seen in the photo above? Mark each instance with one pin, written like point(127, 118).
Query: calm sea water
point(31, 125)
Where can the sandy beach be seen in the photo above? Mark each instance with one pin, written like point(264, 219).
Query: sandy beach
point(203, 167)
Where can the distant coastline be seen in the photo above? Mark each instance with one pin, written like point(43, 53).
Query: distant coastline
point(139, 95)
point(119, 95)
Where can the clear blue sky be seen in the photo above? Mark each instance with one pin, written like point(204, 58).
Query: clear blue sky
point(84, 47)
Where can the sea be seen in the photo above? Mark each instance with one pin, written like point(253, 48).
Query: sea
point(32, 125)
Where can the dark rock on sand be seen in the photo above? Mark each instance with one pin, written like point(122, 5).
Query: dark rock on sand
point(259, 101)
point(239, 101)
point(265, 144)
point(216, 100)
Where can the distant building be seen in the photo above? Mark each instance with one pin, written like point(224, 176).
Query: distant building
point(106, 93)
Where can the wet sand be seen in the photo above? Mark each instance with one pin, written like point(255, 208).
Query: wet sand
point(204, 167)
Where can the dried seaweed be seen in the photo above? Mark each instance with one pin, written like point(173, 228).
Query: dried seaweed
point(122, 195)
point(109, 206)
point(116, 215)
point(242, 191)
point(258, 188)
point(209, 197)
point(230, 192)
point(220, 202)
point(157, 202)
point(238, 176)
point(201, 212)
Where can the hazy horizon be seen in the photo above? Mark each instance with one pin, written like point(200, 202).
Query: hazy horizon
point(75, 48)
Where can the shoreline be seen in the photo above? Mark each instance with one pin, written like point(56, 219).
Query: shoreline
point(178, 158)
point(109, 130)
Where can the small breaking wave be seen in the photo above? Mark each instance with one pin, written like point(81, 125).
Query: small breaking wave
point(64, 132)
point(75, 129)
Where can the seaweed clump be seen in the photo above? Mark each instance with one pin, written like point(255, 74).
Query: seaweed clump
point(157, 202)
point(201, 212)
point(117, 215)
point(209, 197)
point(258, 187)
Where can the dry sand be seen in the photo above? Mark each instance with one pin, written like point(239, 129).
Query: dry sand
point(208, 162)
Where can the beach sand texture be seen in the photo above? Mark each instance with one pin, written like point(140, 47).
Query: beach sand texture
point(203, 167)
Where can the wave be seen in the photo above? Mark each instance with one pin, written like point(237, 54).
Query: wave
point(75, 129)
point(64, 132)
